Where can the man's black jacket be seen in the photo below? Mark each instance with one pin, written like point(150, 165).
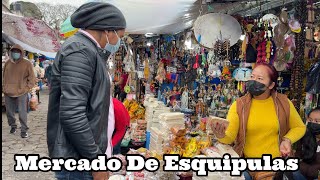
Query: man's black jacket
point(79, 100)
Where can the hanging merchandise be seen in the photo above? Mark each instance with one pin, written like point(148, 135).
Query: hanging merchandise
point(128, 61)
point(296, 83)
point(251, 54)
point(242, 74)
point(313, 79)
point(272, 19)
point(146, 68)
point(128, 88)
point(227, 28)
point(196, 64)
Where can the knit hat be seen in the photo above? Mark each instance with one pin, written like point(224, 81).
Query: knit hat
point(122, 121)
point(98, 16)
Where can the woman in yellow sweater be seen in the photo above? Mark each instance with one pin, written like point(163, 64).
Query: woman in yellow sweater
point(263, 121)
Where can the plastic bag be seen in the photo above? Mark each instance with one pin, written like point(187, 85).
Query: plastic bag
point(242, 74)
point(313, 79)
point(34, 103)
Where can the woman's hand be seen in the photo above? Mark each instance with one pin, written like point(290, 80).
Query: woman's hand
point(285, 147)
point(219, 129)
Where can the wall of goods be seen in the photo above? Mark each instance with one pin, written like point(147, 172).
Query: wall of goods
point(177, 86)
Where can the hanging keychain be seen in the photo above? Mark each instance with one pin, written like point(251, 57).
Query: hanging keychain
point(127, 88)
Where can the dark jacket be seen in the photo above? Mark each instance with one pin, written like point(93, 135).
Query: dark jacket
point(79, 100)
point(48, 73)
point(310, 158)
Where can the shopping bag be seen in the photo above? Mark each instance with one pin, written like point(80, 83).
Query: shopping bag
point(34, 103)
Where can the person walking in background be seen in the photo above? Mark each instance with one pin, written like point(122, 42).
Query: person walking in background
point(18, 79)
point(37, 73)
point(47, 74)
point(80, 112)
point(122, 83)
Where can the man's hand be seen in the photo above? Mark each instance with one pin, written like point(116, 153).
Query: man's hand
point(101, 175)
point(285, 147)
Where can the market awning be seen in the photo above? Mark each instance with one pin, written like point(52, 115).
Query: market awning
point(148, 16)
point(32, 34)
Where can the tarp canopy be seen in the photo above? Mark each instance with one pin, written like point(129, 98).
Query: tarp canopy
point(149, 16)
point(32, 34)
point(154, 16)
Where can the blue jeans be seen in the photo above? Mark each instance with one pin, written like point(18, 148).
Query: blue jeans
point(74, 175)
point(247, 175)
point(298, 176)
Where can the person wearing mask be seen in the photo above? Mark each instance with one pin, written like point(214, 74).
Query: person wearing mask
point(309, 151)
point(261, 122)
point(122, 123)
point(81, 113)
point(18, 80)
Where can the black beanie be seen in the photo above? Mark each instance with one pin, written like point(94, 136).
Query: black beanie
point(98, 16)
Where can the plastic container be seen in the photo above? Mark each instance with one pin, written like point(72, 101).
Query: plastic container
point(148, 140)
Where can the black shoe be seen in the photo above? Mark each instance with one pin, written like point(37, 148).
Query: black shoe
point(24, 135)
point(12, 130)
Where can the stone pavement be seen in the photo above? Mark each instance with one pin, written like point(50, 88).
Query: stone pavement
point(36, 143)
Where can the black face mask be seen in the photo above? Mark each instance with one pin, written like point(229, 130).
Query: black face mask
point(314, 128)
point(256, 88)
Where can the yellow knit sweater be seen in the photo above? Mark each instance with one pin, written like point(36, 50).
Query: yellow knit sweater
point(263, 128)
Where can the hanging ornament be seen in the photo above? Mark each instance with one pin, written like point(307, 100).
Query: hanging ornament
point(196, 65)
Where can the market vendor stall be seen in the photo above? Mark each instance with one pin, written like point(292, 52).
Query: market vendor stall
point(181, 81)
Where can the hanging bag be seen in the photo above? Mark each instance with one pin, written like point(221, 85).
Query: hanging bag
point(127, 88)
point(313, 79)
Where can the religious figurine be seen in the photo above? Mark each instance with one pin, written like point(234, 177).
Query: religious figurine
point(219, 87)
point(229, 99)
point(213, 104)
point(174, 95)
point(210, 91)
point(200, 108)
point(163, 97)
point(185, 98)
point(201, 94)
point(161, 73)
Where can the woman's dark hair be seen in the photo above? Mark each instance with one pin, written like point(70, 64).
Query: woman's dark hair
point(309, 147)
point(314, 110)
point(272, 72)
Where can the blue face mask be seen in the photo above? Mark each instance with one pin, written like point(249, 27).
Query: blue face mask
point(113, 48)
point(15, 56)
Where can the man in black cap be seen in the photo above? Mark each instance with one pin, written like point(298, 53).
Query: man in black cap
point(80, 113)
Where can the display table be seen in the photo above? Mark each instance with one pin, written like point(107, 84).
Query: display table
point(124, 150)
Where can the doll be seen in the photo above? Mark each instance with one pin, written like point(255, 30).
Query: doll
point(161, 73)
point(174, 95)
point(200, 107)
